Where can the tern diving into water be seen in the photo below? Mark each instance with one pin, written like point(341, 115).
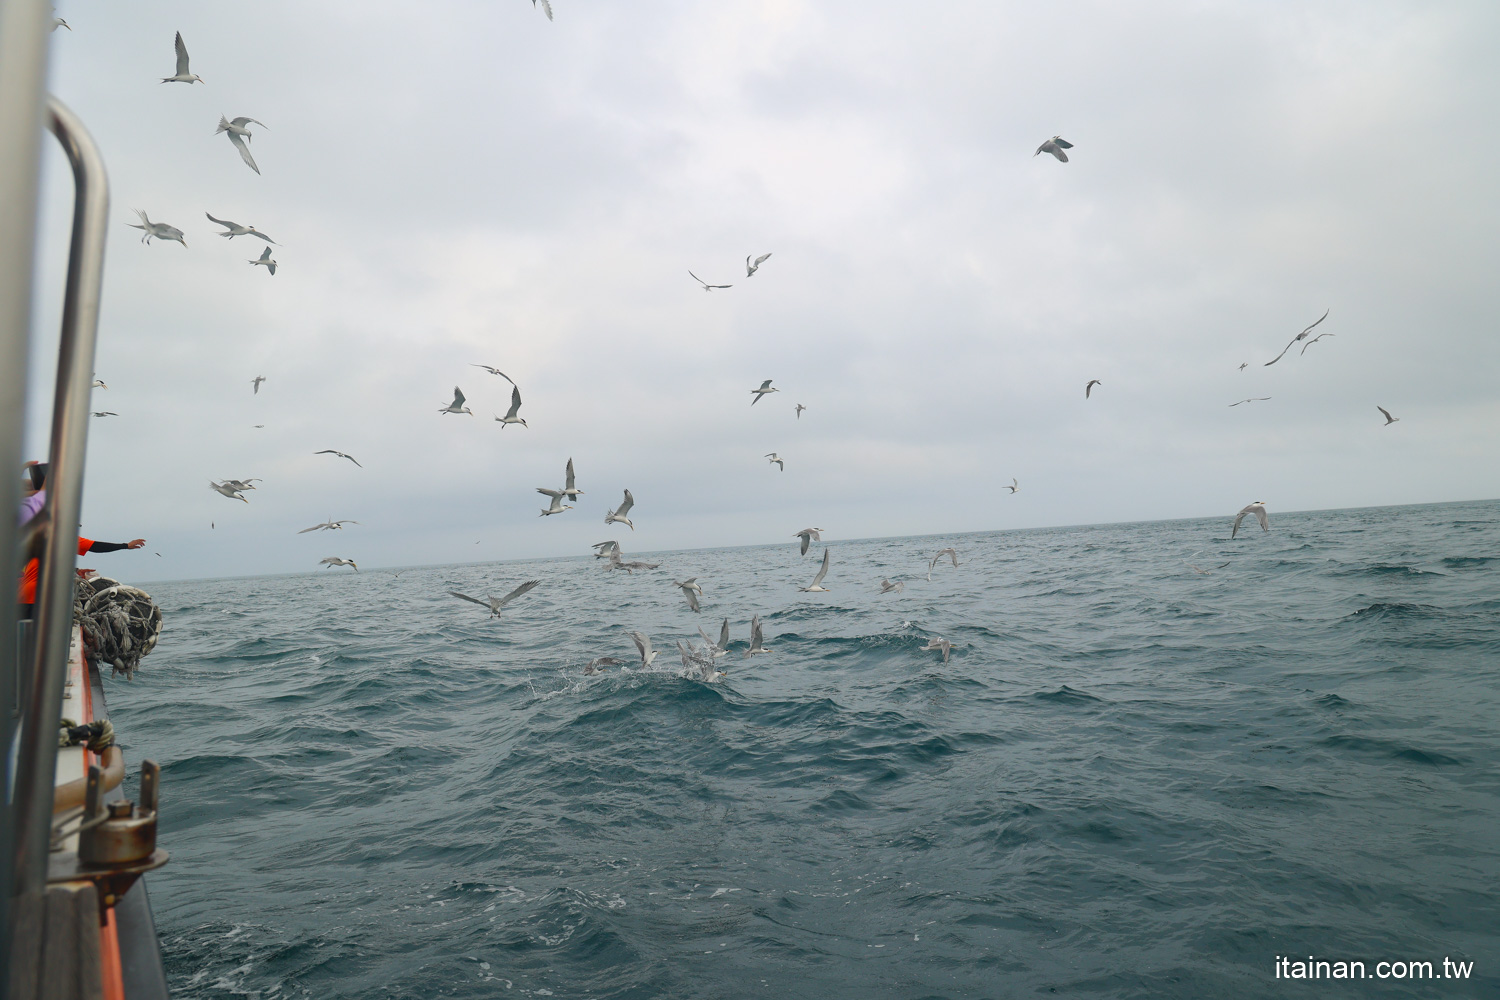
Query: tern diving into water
point(156, 230)
point(618, 514)
point(950, 553)
point(511, 415)
point(494, 603)
point(757, 639)
point(598, 664)
point(331, 451)
point(816, 587)
point(235, 229)
point(1258, 508)
point(255, 384)
point(238, 133)
point(808, 536)
point(887, 587)
point(333, 561)
point(721, 647)
point(557, 501)
point(182, 75)
point(1388, 418)
point(328, 525)
point(775, 459)
point(706, 286)
point(226, 490)
point(1055, 146)
point(1300, 336)
point(643, 646)
point(1090, 387)
point(494, 371)
point(1252, 399)
point(457, 406)
point(750, 268)
point(698, 664)
point(939, 644)
point(265, 261)
point(765, 387)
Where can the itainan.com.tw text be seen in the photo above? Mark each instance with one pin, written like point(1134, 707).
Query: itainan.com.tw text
point(1288, 967)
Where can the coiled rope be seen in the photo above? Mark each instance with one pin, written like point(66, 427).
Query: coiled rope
point(120, 623)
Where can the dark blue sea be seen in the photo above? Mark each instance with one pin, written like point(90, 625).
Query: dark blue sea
point(1132, 779)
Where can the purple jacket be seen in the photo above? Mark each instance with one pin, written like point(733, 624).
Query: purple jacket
point(31, 505)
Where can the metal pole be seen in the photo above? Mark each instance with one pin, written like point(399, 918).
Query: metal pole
point(24, 25)
point(70, 414)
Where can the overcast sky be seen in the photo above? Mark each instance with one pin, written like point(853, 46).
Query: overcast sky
point(459, 182)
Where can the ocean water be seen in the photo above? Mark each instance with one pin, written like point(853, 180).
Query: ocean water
point(1131, 779)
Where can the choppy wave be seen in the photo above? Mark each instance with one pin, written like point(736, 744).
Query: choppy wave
point(1129, 780)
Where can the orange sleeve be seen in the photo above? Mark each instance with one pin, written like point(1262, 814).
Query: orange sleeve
point(27, 591)
point(84, 544)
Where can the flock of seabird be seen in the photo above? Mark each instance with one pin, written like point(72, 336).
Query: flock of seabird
point(697, 661)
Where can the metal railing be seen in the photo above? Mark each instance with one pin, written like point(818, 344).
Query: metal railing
point(52, 536)
point(24, 26)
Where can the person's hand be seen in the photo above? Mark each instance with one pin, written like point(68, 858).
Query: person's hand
point(136, 543)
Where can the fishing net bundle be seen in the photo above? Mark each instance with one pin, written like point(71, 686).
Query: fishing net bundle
point(120, 623)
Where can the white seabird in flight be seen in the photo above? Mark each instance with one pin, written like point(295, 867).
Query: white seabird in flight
point(951, 553)
point(182, 75)
point(603, 550)
point(235, 229)
point(546, 7)
point(1055, 146)
point(1258, 508)
point(1252, 399)
point(816, 587)
point(557, 506)
point(800, 408)
point(643, 645)
point(98, 383)
point(757, 639)
point(255, 383)
point(265, 261)
point(571, 491)
point(511, 415)
point(156, 230)
point(765, 387)
point(1388, 418)
point(939, 644)
point(328, 525)
point(808, 536)
point(331, 451)
point(105, 413)
point(1015, 485)
point(494, 371)
point(775, 459)
point(618, 514)
point(750, 268)
point(333, 561)
point(495, 604)
point(457, 406)
point(706, 286)
point(238, 133)
point(690, 590)
point(1300, 336)
point(226, 490)
point(1090, 387)
point(1314, 341)
point(241, 484)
